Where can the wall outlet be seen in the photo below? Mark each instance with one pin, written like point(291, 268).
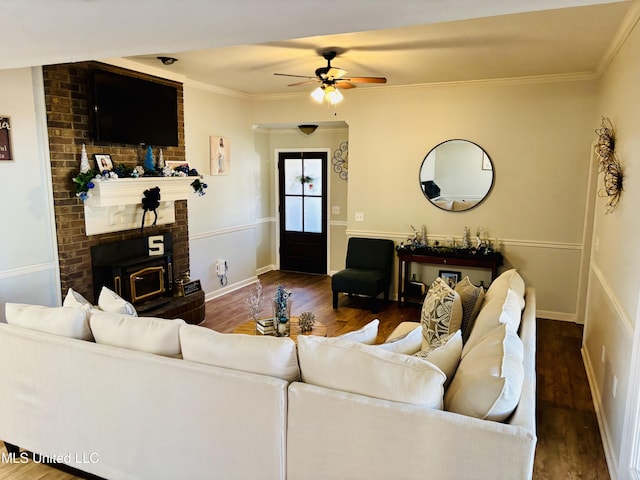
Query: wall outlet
point(596, 243)
point(359, 217)
point(614, 386)
point(604, 354)
point(335, 210)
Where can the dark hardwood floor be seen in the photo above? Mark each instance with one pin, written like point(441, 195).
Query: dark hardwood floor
point(569, 445)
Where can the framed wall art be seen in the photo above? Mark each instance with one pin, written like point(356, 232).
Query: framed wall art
point(5, 138)
point(219, 155)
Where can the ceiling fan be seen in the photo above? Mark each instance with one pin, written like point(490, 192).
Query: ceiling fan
point(331, 79)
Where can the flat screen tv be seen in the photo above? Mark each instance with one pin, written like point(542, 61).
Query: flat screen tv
point(133, 111)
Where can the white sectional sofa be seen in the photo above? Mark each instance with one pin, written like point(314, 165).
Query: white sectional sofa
point(119, 413)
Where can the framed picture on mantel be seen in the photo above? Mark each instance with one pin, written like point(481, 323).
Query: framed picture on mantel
point(103, 162)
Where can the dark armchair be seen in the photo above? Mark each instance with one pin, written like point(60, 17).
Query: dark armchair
point(368, 269)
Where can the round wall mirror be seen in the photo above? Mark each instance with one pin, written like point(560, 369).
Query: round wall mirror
point(456, 175)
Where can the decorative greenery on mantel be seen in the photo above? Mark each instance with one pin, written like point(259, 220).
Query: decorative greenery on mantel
point(84, 182)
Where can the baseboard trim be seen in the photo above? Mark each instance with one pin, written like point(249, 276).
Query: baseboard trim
point(562, 316)
point(597, 405)
point(265, 269)
point(229, 288)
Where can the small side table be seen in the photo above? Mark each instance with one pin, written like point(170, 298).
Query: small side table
point(249, 328)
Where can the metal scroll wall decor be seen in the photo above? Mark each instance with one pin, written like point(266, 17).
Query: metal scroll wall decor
point(609, 165)
point(340, 161)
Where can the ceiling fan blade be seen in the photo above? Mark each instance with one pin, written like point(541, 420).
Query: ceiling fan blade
point(306, 82)
point(366, 79)
point(344, 84)
point(296, 76)
point(335, 73)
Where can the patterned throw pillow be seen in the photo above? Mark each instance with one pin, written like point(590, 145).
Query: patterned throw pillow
point(441, 311)
point(471, 297)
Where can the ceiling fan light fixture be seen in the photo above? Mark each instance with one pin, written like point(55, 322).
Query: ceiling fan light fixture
point(318, 94)
point(333, 95)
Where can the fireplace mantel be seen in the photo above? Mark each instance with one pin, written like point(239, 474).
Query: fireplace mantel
point(116, 204)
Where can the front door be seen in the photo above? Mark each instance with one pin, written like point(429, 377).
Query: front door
point(303, 211)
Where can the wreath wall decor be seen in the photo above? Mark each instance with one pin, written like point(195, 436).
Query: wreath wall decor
point(609, 165)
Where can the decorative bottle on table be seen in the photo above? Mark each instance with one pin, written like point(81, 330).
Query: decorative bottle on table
point(282, 312)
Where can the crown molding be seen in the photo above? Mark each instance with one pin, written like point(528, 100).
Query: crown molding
point(626, 27)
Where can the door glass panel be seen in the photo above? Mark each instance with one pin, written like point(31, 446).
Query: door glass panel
point(313, 214)
point(313, 176)
point(293, 176)
point(293, 214)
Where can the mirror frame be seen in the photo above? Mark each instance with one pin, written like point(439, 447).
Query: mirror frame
point(493, 176)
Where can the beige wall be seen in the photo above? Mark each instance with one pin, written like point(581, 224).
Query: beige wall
point(612, 300)
point(223, 223)
point(538, 135)
point(28, 260)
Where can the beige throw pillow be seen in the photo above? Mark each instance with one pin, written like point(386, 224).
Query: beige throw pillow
point(444, 354)
point(65, 321)
point(441, 311)
point(265, 355)
point(368, 370)
point(407, 344)
point(471, 298)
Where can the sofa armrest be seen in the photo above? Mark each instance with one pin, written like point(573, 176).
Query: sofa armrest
point(366, 438)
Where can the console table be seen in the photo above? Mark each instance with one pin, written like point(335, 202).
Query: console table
point(407, 256)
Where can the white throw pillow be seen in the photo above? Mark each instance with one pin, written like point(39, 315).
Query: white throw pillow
point(441, 311)
point(407, 344)
point(367, 334)
point(489, 379)
point(145, 334)
point(260, 354)
point(368, 370)
point(65, 321)
point(74, 299)
point(109, 301)
point(444, 354)
point(471, 298)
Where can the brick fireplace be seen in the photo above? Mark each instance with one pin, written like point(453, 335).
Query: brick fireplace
point(66, 99)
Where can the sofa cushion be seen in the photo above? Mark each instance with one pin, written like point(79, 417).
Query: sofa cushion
point(407, 344)
point(65, 321)
point(369, 370)
point(495, 312)
point(444, 353)
point(441, 311)
point(471, 298)
point(265, 355)
point(509, 279)
point(109, 301)
point(145, 334)
point(366, 334)
point(489, 379)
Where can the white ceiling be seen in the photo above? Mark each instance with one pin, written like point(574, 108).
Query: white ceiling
point(239, 44)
